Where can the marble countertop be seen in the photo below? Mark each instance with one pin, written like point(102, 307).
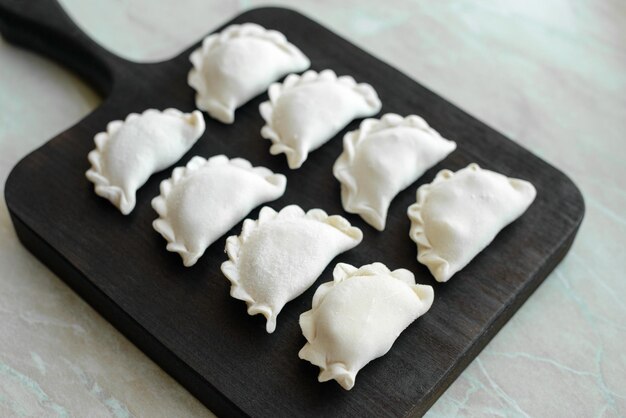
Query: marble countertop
point(550, 75)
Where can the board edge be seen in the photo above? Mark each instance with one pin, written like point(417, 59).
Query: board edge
point(124, 323)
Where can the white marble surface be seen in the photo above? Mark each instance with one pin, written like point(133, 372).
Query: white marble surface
point(551, 75)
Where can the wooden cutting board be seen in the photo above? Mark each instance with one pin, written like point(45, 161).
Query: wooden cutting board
point(184, 318)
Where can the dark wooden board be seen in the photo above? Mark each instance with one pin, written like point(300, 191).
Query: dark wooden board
point(185, 319)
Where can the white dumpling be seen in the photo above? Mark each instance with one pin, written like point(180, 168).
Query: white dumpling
point(280, 255)
point(130, 151)
point(382, 158)
point(304, 112)
point(357, 317)
point(459, 214)
point(206, 198)
point(239, 63)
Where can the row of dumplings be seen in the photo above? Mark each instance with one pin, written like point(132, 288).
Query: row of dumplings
point(453, 219)
point(302, 113)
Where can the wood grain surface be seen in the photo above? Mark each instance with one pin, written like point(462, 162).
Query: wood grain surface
point(184, 318)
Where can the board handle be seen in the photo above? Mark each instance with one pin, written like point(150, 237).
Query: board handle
point(43, 26)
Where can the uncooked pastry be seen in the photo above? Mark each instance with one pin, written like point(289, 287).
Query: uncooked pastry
point(280, 255)
point(206, 198)
point(130, 151)
point(238, 64)
point(382, 158)
point(459, 214)
point(304, 112)
point(358, 316)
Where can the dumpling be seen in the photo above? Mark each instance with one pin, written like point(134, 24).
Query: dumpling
point(206, 198)
point(357, 317)
point(304, 112)
point(382, 158)
point(459, 214)
point(130, 151)
point(280, 255)
point(238, 64)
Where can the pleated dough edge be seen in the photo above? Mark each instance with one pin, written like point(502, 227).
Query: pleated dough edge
point(235, 243)
point(213, 107)
point(351, 142)
point(159, 203)
point(426, 254)
point(342, 272)
point(294, 155)
point(102, 184)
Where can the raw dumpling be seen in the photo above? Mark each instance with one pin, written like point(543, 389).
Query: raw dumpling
point(459, 214)
point(357, 317)
point(130, 151)
point(382, 158)
point(239, 63)
point(206, 198)
point(279, 256)
point(304, 112)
